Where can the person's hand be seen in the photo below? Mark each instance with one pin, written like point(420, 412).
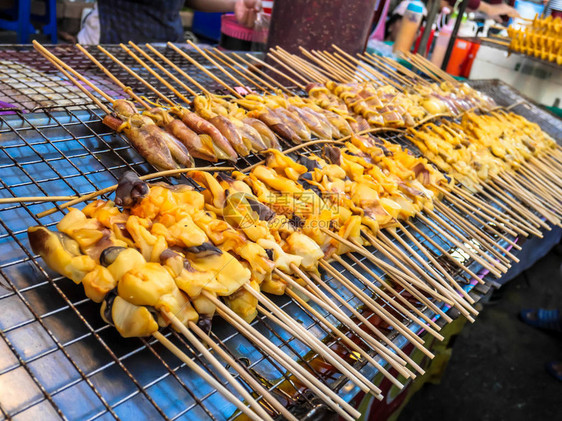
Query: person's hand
point(246, 11)
point(495, 11)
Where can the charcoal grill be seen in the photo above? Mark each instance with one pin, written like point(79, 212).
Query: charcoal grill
point(58, 359)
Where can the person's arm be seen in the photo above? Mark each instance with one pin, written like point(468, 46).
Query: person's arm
point(245, 10)
point(211, 6)
point(495, 11)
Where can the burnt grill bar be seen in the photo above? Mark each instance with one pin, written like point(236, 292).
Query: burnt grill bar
point(67, 150)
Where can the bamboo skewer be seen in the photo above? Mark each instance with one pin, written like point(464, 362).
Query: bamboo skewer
point(110, 189)
point(168, 73)
point(521, 223)
point(206, 376)
point(323, 301)
point(443, 288)
point(490, 189)
point(258, 409)
point(264, 75)
point(286, 63)
point(290, 79)
point(375, 307)
point(24, 199)
point(410, 289)
point(220, 56)
point(204, 70)
point(437, 275)
point(134, 74)
point(346, 320)
point(112, 77)
point(516, 212)
point(280, 318)
point(476, 257)
point(315, 74)
point(59, 65)
point(501, 254)
point(352, 345)
point(320, 389)
point(444, 252)
point(398, 301)
point(467, 243)
point(218, 66)
point(382, 294)
point(248, 378)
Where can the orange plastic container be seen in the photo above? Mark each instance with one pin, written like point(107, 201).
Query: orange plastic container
point(459, 56)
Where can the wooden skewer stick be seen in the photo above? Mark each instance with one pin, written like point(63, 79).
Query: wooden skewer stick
point(444, 252)
point(289, 63)
point(303, 66)
point(467, 243)
point(471, 210)
point(399, 352)
point(461, 246)
point(63, 67)
point(277, 71)
point(443, 288)
point(523, 224)
point(380, 311)
point(285, 322)
point(110, 189)
point(350, 72)
point(223, 57)
point(490, 189)
point(115, 80)
point(404, 273)
point(339, 59)
point(248, 378)
point(168, 73)
point(315, 385)
point(408, 288)
point(546, 173)
point(258, 409)
point(156, 75)
point(314, 293)
point(206, 376)
point(481, 237)
point(541, 180)
point(548, 198)
point(528, 198)
point(352, 345)
point(203, 69)
point(178, 69)
point(433, 68)
point(399, 68)
point(300, 60)
point(255, 71)
point(384, 67)
point(288, 68)
point(436, 275)
point(217, 65)
point(385, 296)
point(333, 73)
point(515, 212)
point(135, 75)
point(398, 361)
point(36, 199)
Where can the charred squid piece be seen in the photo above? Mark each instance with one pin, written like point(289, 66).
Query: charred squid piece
point(203, 127)
point(321, 129)
point(250, 137)
point(204, 250)
point(332, 154)
point(61, 253)
point(130, 190)
point(197, 147)
point(229, 131)
point(272, 120)
point(130, 320)
point(110, 254)
point(294, 123)
point(149, 140)
point(310, 164)
point(267, 136)
point(124, 109)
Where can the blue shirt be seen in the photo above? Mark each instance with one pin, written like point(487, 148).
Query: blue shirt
point(140, 21)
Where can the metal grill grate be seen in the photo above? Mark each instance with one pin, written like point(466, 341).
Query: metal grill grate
point(60, 358)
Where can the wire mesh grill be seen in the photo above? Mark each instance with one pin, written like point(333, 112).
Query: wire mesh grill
point(58, 351)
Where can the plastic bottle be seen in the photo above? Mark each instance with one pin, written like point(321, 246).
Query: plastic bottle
point(442, 43)
point(409, 27)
